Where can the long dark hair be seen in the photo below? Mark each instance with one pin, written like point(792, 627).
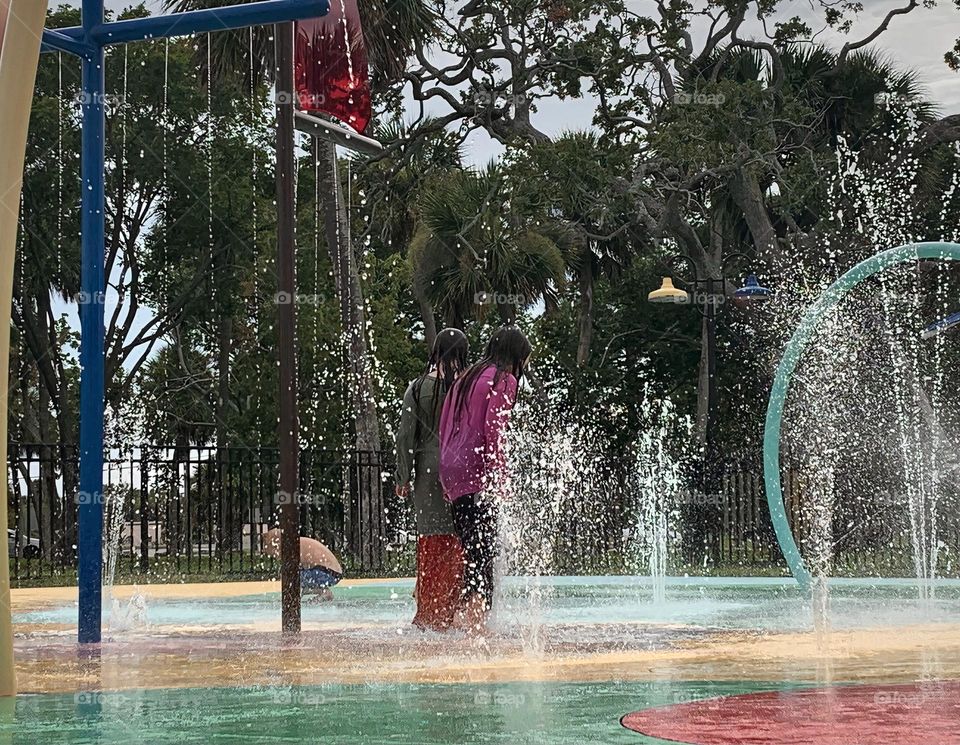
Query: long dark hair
point(448, 357)
point(507, 350)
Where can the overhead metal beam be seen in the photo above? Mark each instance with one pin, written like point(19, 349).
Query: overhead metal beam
point(199, 21)
point(325, 130)
point(55, 41)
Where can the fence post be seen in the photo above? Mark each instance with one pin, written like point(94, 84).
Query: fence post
point(144, 523)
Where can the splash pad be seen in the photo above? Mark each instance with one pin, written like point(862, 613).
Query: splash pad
point(213, 665)
point(211, 659)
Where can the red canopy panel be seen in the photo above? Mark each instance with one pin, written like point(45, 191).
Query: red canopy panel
point(331, 66)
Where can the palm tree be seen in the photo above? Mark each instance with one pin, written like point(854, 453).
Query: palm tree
point(792, 129)
point(391, 28)
point(181, 410)
point(817, 104)
point(392, 187)
point(470, 252)
point(574, 184)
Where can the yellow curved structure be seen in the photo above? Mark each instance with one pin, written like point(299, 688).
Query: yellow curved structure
point(21, 27)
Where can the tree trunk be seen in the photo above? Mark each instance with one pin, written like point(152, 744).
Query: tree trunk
point(221, 479)
point(224, 344)
point(453, 318)
point(69, 465)
point(39, 324)
point(429, 319)
point(746, 192)
point(353, 323)
point(47, 485)
point(703, 385)
point(709, 267)
point(585, 317)
point(177, 518)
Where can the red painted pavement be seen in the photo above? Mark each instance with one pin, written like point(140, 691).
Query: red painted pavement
point(925, 713)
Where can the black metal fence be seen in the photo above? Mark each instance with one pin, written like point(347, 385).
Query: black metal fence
point(869, 530)
point(199, 510)
point(202, 511)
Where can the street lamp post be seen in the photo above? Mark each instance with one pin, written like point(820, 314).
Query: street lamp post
point(709, 297)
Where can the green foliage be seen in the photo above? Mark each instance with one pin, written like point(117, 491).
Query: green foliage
point(558, 221)
point(470, 251)
point(635, 342)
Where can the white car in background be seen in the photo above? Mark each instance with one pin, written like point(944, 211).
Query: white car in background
point(28, 548)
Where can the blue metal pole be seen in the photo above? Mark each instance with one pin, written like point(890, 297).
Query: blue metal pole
point(88, 41)
point(199, 21)
point(90, 496)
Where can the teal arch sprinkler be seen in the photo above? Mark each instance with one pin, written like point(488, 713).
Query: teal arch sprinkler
point(788, 364)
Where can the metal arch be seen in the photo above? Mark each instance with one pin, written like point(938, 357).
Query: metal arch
point(791, 357)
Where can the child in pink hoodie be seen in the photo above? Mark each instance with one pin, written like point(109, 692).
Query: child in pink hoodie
point(475, 414)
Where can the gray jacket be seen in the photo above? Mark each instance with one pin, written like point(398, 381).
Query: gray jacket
point(418, 455)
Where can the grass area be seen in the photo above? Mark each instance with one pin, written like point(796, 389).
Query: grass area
point(233, 566)
point(237, 567)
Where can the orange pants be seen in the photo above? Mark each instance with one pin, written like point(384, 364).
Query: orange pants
point(439, 581)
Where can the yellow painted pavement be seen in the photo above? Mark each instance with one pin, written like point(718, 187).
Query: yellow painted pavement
point(238, 654)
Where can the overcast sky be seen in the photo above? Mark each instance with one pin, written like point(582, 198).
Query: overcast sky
point(916, 41)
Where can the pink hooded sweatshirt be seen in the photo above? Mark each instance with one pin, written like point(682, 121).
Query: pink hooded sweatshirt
point(471, 433)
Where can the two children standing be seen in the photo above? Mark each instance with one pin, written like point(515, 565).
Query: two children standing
point(450, 443)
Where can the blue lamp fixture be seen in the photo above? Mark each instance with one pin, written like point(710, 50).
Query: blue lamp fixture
point(941, 326)
point(752, 291)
